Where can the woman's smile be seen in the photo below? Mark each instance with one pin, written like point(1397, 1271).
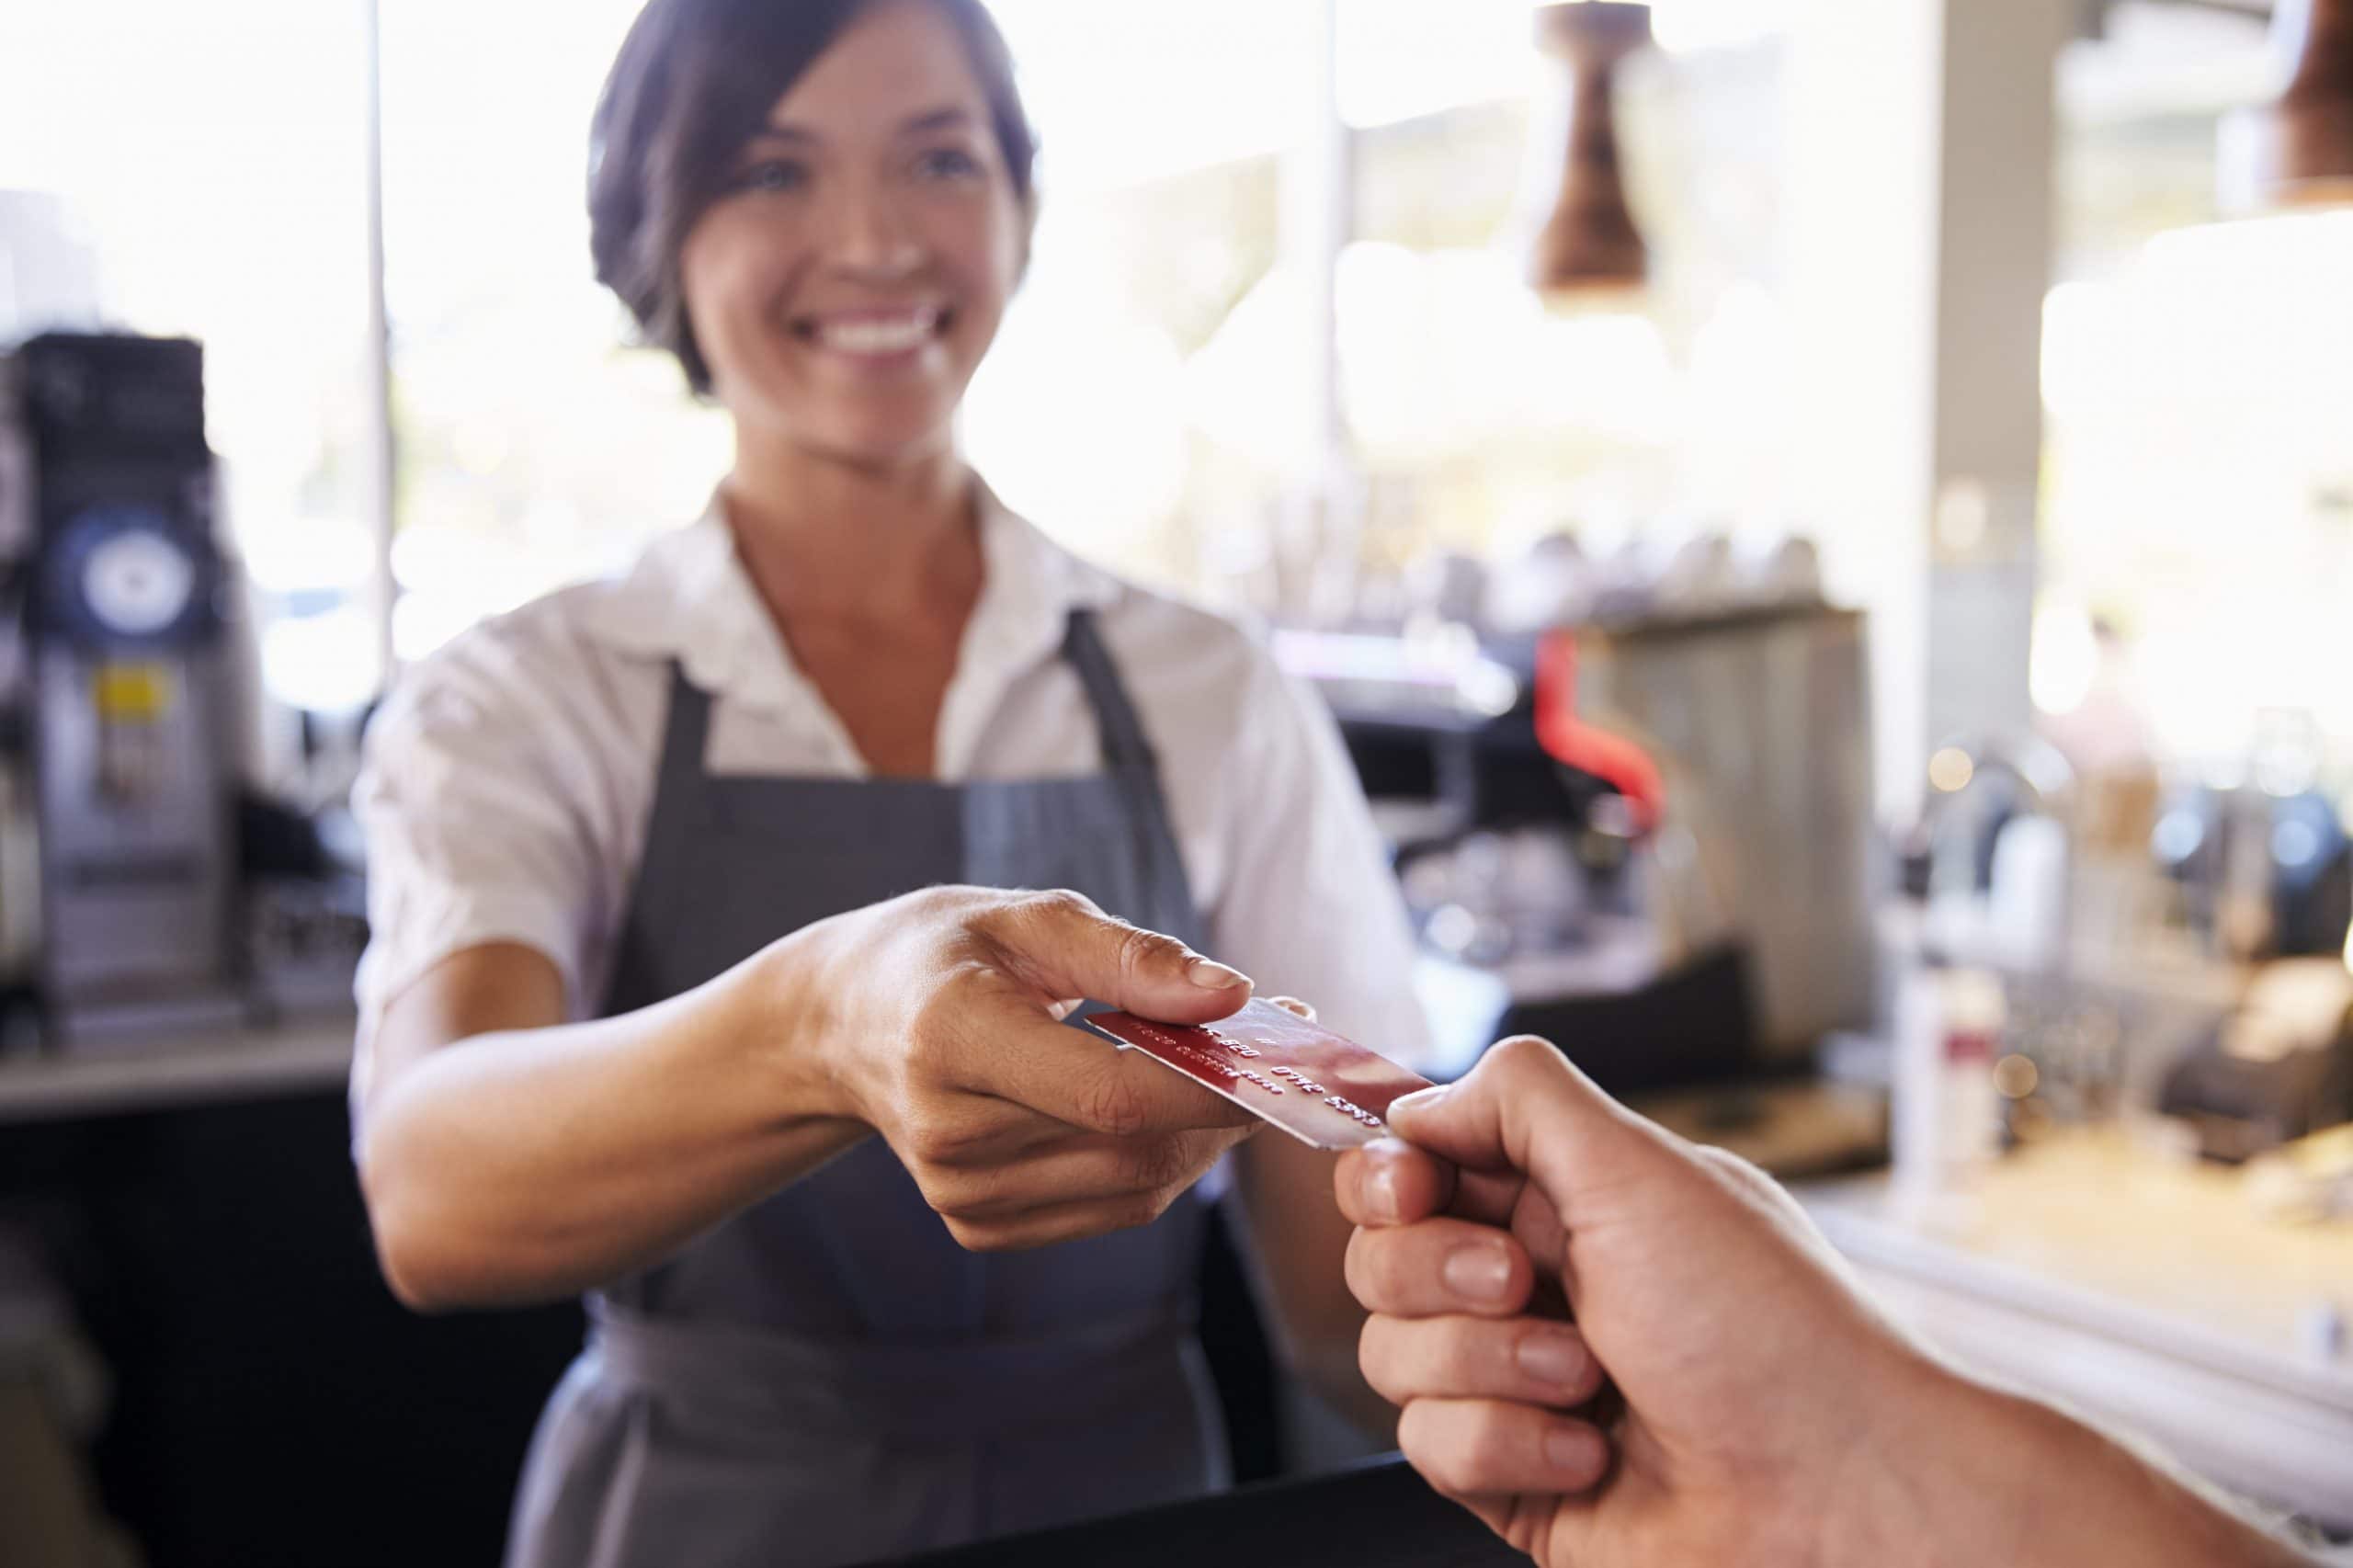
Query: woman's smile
point(875, 337)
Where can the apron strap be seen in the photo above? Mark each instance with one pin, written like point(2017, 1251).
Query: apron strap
point(678, 776)
point(671, 823)
point(1129, 758)
point(687, 732)
point(1124, 742)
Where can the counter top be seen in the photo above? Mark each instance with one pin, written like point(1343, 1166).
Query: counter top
point(297, 1057)
point(2145, 1290)
point(2095, 1215)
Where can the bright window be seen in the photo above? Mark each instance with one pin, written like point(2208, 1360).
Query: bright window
point(198, 170)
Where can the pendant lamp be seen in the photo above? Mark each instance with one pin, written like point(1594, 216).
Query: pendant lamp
point(2298, 152)
point(1590, 243)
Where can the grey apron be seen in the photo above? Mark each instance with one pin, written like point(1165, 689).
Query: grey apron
point(827, 1377)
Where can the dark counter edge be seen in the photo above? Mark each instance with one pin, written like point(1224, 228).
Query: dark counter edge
point(1372, 1515)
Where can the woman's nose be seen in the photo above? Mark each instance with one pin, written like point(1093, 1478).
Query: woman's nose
point(871, 236)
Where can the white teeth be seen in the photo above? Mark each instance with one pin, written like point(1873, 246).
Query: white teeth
point(879, 337)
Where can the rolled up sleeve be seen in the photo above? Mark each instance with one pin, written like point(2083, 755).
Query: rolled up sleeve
point(474, 834)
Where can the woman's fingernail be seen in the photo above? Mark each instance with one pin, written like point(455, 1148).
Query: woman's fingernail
point(1481, 1273)
point(1572, 1453)
point(1380, 1191)
point(1210, 976)
point(1549, 1358)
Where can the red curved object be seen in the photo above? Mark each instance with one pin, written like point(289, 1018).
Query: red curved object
point(1570, 740)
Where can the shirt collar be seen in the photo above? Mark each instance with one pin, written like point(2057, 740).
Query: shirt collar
point(690, 598)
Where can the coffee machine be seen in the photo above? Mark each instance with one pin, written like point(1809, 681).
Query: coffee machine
point(1658, 854)
point(118, 705)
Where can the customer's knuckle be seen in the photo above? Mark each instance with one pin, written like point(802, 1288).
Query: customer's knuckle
point(1523, 1054)
point(1378, 1356)
point(1425, 1435)
point(1368, 1270)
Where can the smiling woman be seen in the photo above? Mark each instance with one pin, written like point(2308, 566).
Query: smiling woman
point(685, 127)
point(704, 973)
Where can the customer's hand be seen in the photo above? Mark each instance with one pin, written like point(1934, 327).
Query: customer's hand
point(934, 1019)
point(1537, 1234)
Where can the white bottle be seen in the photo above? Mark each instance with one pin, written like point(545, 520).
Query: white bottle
point(1916, 1072)
point(1976, 1010)
point(1945, 1120)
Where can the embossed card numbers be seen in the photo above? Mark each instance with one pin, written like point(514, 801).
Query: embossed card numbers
point(1322, 1088)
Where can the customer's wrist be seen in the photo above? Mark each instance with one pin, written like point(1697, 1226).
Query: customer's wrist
point(1938, 1481)
point(1974, 1474)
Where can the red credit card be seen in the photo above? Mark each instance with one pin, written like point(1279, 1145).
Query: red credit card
point(1323, 1089)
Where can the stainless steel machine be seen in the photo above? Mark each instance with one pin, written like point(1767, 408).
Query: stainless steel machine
point(1660, 857)
point(118, 696)
point(1759, 725)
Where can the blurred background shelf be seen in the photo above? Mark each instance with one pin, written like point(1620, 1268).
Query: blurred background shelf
point(253, 1064)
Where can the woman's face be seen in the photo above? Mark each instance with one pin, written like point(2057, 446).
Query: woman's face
point(845, 288)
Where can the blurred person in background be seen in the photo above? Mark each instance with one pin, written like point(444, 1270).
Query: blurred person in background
point(702, 979)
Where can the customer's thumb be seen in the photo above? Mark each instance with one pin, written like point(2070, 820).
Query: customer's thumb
point(1526, 1108)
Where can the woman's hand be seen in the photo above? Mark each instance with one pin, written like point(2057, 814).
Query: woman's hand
point(935, 1019)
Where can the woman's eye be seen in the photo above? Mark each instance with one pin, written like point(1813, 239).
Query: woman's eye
point(774, 175)
point(947, 163)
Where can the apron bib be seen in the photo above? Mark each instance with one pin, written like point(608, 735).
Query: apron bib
point(827, 1377)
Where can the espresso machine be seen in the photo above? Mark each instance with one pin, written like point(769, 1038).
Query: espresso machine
point(1659, 856)
point(118, 702)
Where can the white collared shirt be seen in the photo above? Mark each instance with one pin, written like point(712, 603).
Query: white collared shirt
point(508, 780)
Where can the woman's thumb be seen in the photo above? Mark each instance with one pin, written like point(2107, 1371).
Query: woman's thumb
point(1068, 948)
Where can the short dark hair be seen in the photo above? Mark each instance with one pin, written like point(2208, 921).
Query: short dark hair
point(694, 82)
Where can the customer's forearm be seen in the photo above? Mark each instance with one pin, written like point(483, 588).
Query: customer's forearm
point(1998, 1478)
point(531, 1165)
